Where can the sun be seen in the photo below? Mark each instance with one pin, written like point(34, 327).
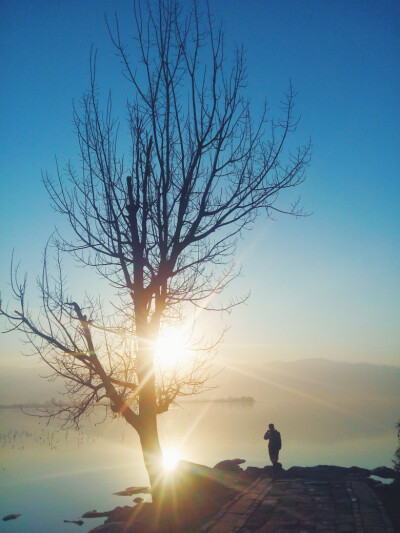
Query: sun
point(170, 459)
point(172, 348)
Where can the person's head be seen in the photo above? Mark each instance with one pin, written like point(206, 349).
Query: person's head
point(271, 426)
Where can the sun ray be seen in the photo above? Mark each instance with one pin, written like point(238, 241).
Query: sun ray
point(292, 390)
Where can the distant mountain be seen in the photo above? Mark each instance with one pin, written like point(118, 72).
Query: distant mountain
point(342, 398)
point(24, 384)
point(314, 387)
point(309, 378)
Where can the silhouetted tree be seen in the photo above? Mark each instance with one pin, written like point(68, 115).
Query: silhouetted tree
point(159, 224)
point(396, 460)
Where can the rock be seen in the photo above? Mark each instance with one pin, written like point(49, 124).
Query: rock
point(276, 472)
point(96, 514)
point(11, 517)
point(253, 471)
point(364, 472)
point(120, 514)
point(133, 490)
point(114, 527)
point(230, 465)
point(322, 472)
point(383, 472)
point(77, 522)
point(192, 494)
point(373, 483)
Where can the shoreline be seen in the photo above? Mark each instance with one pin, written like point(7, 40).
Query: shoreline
point(227, 486)
point(205, 496)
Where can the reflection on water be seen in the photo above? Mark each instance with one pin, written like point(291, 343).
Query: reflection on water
point(49, 475)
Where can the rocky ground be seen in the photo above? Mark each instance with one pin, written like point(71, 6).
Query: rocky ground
point(389, 495)
point(192, 495)
point(196, 493)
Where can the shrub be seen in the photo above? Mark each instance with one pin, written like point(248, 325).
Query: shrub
point(396, 460)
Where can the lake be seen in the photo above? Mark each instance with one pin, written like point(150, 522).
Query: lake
point(49, 475)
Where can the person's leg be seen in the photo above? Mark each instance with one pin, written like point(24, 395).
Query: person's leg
point(273, 455)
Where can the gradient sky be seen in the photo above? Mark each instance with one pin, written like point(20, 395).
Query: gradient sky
point(324, 286)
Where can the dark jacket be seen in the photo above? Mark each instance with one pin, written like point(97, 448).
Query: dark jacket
point(274, 438)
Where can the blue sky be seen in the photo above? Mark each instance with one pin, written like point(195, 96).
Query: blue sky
point(324, 286)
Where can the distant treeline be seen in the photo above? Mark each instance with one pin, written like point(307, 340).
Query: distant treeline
point(230, 399)
point(53, 403)
point(33, 405)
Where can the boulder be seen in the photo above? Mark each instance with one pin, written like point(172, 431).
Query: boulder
point(133, 490)
point(121, 514)
point(322, 472)
point(230, 465)
point(96, 514)
point(11, 517)
point(115, 527)
point(192, 494)
point(253, 471)
point(383, 472)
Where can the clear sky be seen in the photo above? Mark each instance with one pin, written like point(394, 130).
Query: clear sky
point(324, 286)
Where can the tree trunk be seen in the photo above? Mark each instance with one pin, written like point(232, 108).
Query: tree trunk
point(152, 454)
point(147, 426)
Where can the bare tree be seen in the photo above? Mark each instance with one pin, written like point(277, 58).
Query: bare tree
point(161, 225)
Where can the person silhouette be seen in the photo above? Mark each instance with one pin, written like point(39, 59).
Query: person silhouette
point(273, 437)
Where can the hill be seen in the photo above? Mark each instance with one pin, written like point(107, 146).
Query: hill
point(337, 398)
point(313, 378)
point(314, 386)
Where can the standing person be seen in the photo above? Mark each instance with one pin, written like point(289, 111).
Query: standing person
point(274, 445)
